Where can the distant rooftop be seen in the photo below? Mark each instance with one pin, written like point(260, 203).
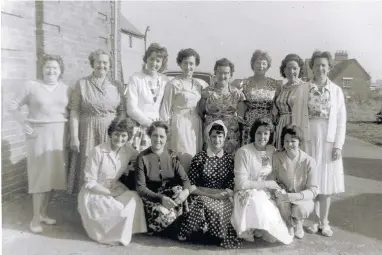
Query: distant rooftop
point(129, 28)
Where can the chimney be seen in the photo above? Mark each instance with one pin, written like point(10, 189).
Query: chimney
point(340, 55)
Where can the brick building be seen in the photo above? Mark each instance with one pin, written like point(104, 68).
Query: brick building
point(71, 29)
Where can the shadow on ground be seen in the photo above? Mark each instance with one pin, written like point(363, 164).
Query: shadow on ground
point(364, 168)
point(360, 214)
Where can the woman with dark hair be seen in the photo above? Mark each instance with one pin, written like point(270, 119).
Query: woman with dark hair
point(259, 92)
point(255, 213)
point(94, 103)
point(161, 182)
point(180, 108)
point(219, 102)
point(110, 212)
point(292, 69)
point(144, 94)
point(295, 172)
point(46, 133)
point(211, 203)
point(321, 113)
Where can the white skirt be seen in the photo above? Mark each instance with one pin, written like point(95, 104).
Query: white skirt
point(330, 174)
point(47, 157)
point(253, 210)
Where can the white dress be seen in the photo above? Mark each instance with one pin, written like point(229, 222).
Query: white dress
point(180, 109)
point(253, 208)
point(108, 219)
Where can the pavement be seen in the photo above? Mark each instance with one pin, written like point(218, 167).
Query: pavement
point(356, 219)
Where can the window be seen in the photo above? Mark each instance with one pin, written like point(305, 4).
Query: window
point(347, 82)
point(130, 41)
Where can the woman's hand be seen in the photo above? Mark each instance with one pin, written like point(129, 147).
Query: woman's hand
point(336, 154)
point(182, 196)
point(75, 144)
point(168, 202)
point(221, 196)
point(271, 185)
point(118, 191)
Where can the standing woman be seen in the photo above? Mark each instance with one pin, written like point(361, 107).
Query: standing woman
point(94, 103)
point(144, 94)
point(259, 92)
point(320, 111)
point(46, 133)
point(292, 69)
point(180, 108)
point(220, 103)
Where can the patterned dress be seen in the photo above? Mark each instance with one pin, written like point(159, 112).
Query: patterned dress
point(282, 111)
point(97, 106)
point(209, 216)
point(259, 102)
point(224, 107)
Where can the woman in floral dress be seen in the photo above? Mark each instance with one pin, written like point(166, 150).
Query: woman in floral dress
point(255, 211)
point(259, 92)
point(161, 182)
point(95, 101)
point(211, 203)
point(144, 94)
point(220, 103)
point(292, 69)
point(180, 108)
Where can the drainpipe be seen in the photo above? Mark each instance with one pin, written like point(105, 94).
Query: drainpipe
point(115, 42)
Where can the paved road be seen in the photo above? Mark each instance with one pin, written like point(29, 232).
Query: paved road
point(356, 217)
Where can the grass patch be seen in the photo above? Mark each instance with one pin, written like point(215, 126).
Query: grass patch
point(366, 131)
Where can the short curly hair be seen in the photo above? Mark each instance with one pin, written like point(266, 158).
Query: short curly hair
point(224, 62)
point(260, 55)
point(292, 57)
point(50, 57)
point(321, 54)
point(258, 123)
point(96, 53)
point(158, 124)
point(294, 130)
point(162, 53)
point(120, 124)
point(182, 54)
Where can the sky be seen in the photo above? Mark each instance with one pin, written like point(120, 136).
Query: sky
point(234, 30)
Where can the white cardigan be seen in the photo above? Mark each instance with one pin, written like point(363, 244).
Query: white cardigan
point(337, 115)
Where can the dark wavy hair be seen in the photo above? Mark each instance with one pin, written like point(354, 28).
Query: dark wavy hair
point(294, 130)
point(120, 124)
point(158, 124)
point(260, 55)
point(96, 53)
point(49, 57)
point(292, 57)
point(258, 123)
point(321, 54)
point(182, 54)
point(218, 128)
point(162, 53)
point(224, 62)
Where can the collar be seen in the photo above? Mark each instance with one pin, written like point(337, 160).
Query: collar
point(106, 147)
point(210, 154)
point(325, 87)
point(283, 156)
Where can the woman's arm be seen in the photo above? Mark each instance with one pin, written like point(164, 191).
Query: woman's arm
point(341, 121)
point(121, 109)
point(166, 104)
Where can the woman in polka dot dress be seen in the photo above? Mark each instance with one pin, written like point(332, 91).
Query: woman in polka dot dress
point(211, 205)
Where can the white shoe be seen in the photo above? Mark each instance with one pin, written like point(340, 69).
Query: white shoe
point(35, 227)
point(299, 230)
point(47, 220)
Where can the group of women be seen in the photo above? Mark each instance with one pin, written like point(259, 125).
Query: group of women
point(220, 162)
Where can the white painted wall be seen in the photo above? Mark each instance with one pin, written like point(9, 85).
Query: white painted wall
point(131, 57)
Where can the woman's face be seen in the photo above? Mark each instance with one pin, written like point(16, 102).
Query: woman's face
point(188, 65)
point(101, 64)
point(119, 139)
point(292, 71)
point(223, 75)
point(217, 140)
point(291, 144)
point(51, 71)
point(262, 136)
point(321, 68)
point(154, 62)
point(158, 139)
point(260, 66)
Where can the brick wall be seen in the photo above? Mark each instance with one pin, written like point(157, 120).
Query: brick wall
point(68, 28)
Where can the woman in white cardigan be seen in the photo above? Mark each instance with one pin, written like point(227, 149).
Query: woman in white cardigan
point(321, 113)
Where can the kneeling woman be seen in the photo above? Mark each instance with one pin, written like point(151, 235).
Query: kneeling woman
point(295, 171)
point(161, 182)
point(212, 173)
point(255, 212)
point(109, 211)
